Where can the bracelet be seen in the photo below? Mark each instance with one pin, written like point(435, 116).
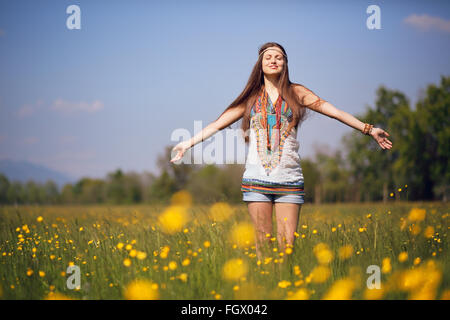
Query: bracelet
point(367, 128)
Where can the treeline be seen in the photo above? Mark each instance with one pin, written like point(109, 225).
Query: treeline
point(416, 168)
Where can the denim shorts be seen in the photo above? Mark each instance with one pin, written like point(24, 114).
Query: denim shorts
point(256, 196)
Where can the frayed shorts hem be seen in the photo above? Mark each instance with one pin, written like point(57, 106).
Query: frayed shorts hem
point(288, 198)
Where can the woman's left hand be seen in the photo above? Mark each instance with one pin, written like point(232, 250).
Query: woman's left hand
point(380, 136)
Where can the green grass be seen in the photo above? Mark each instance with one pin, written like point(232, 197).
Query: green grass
point(104, 276)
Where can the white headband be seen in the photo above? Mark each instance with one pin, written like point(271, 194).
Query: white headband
point(271, 48)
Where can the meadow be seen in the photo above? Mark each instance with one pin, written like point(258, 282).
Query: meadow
point(188, 251)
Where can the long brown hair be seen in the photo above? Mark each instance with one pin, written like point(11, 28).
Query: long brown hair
point(286, 89)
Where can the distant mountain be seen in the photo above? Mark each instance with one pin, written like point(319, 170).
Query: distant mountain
point(23, 171)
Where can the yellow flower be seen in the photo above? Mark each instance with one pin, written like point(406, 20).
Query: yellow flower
point(386, 265)
point(128, 247)
point(242, 234)
point(206, 244)
point(340, 290)
point(127, 262)
point(428, 232)
point(234, 269)
point(374, 294)
point(220, 211)
point(301, 294)
point(181, 198)
point(141, 255)
point(41, 274)
point(133, 253)
point(185, 262)
point(391, 194)
point(415, 229)
point(164, 252)
point(345, 252)
point(56, 296)
point(39, 219)
point(323, 253)
point(284, 284)
point(172, 265)
point(141, 290)
point(417, 261)
point(173, 219)
point(288, 250)
point(29, 272)
point(417, 214)
point(403, 256)
point(320, 274)
point(429, 281)
point(183, 277)
point(119, 245)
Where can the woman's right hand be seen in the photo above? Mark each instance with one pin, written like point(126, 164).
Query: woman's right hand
point(180, 149)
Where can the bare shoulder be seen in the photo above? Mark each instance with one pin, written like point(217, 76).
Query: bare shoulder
point(301, 90)
point(308, 97)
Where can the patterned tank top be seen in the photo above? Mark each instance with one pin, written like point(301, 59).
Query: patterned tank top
point(273, 162)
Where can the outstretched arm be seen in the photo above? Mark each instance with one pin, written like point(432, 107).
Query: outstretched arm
point(326, 108)
point(227, 118)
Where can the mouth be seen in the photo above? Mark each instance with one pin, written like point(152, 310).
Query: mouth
point(273, 67)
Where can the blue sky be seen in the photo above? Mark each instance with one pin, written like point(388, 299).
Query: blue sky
point(108, 96)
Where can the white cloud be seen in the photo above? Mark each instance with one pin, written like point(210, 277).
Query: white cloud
point(26, 110)
point(427, 23)
point(70, 107)
point(29, 109)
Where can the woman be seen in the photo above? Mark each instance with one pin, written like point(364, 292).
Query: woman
point(271, 108)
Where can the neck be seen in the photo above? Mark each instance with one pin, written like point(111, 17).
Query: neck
point(271, 82)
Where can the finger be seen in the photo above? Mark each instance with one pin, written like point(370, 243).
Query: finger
point(176, 158)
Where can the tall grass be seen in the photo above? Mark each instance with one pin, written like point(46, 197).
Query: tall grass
point(38, 243)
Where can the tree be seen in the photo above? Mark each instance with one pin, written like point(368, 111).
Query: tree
point(429, 143)
point(4, 186)
point(375, 168)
